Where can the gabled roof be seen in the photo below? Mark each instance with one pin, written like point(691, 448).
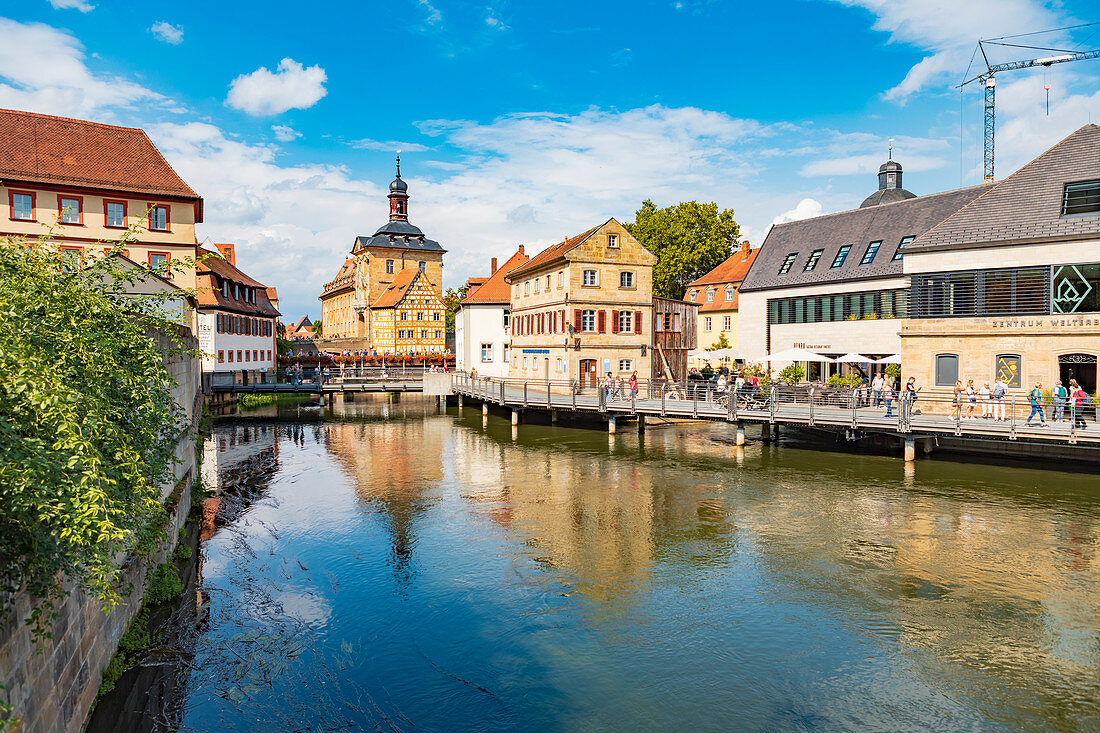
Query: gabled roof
point(36, 148)
point(343, 279)
point(396, 290)
point(888, 223)
point(209, 293)
point(495, 289)
point(1026, 206)
point(732, 270)
point(555, 252)
point(303, 323)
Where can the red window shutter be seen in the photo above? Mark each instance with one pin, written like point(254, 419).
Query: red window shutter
point(614, 321)
point(637, 321)
point(602, 321)
point(561, 319)
point(577, 319)
point(542, 323)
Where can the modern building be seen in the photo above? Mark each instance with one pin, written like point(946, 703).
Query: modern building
point(716, 295)
point(348, 299)
point(236, 322)
point(92, 183)
point(835, 284)
point(1009, 286)
point(409, 317)
point(583, 308)
point(482, 323)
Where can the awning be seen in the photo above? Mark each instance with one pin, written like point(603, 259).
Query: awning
point(716, 354)
point(892, 359)
point(794, 355)
point(854, 358)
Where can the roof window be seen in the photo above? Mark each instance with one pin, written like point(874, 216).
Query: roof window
point(841, 255)
point(812, 262)
point(1081, 197)
point(786, 266)
point(901, 245)
point(869, 255)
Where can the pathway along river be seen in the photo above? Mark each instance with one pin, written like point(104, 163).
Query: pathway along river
point(399, 568)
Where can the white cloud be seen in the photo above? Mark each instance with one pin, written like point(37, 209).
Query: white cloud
point(80, 5)
point(285, 134)
point(390, 146)
point(43, 69)
point(805, 209)
point(167, 32)
point(291, 86)
point(432, 16)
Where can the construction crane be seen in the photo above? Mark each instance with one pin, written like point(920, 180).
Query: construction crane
point(988, 80)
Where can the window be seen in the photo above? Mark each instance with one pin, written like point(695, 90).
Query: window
point(527, 288)
point(404, 315)
point(225, 288)
point(841, 255)
point(729, 294)
point(158, 218)
point(525, 362)
point(727, 322)
point(22, 206)
point(588, 320)
point(515, 360)
point(506, 352)
point(904, 241)
point(158, 262)
point(561, 279)
point(70, 259)
point(420, 316)
point(947, 370)
point(114, 214)
point(389, 267)
point(706, 323)
point(812, 262)
point(231, 356)
point(626, 279)
point(626, 321)
point(869, 255)
point(422, 265)
point(547, 283)
point(787, 262)
point(517, 290)
point(507, 318)
point(239, 359)
point(625, 365)
point(849, 306)
point(71, 210)
point(221, 356)
point(1076, 289)
point(1001, 292)
point(1082, 197)
point(692, 296)
point(438, 334)
point(612, 240)
point(710, 295)
point(423, 333)
point(536, 286)
point(400, 333)
point(486, 353)
point(1009, 369)
point(590, 278)
point(559, 365)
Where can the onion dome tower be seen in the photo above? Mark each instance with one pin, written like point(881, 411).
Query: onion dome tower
point(399, 197)
point(889, 184)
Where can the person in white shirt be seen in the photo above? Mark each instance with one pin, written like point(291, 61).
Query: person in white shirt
point(984, 394)
point(876, 390)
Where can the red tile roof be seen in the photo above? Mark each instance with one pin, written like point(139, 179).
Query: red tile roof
point(272, 293)
point(209, 267)
point(731, 272)
point(393, 294)
point(555, 251)
point(495, 289)
point(37, 148)
point(343, 278)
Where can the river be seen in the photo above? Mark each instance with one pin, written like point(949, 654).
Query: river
point(395, 567)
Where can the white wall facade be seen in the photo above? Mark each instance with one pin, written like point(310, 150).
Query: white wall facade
point(211, 343)
point(476, 325)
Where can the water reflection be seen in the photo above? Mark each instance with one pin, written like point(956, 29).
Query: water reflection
point(451, 571)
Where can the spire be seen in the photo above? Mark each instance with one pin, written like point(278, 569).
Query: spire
point(399, 196)
point(399, 163)
point(889, 148)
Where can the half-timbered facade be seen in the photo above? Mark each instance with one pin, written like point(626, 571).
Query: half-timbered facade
point(409, 316)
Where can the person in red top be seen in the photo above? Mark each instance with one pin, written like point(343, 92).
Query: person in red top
point(634, 385)
point(1079, 398)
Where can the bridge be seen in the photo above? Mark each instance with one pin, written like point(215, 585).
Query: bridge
point(339, 381)
point(931, 417)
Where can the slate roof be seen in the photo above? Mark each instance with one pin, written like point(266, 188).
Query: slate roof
point(555, 251)
point(36, 148)
point(1026, 206)
point(495, 289)
point(209, 293)
point(889, 223)
point(398, 235)
point(397, 289)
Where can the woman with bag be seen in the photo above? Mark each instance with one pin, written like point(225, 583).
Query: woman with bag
point(1035, 397)
point(634, 385)
point(1079, 398)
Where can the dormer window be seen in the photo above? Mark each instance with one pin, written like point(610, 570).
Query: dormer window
point(710, 295)
point(692, 296)
point(729, 293)
point(1082, 197)
point(225, 288)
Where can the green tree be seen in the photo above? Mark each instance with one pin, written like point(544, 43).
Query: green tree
point(318, 327)
point(690, 239)
point(722, 342)
point(451, 300)
point(89, 424)
point(792, 374)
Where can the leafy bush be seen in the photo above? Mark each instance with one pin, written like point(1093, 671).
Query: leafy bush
point(792, 374)
point(893, 371)
point(89, 425)
point(847, 381)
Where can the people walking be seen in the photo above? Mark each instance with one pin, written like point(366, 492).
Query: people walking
point(1078, 398)
point(888, 397)
point(984, 396)
point(607, 385)
point(1000, 391)
point(1035, 397)
point(876, 390)
point(910, 393)
point(971, 399)
point(634, 385)
point(957, 399)
point(1061, 397)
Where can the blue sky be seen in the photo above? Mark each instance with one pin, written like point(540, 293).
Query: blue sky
point(527, 122)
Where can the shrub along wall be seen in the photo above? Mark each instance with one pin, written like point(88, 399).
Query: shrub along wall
point(51, 685)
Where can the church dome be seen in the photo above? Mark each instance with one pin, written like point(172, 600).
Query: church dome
point(397, 185)
point(889, 186)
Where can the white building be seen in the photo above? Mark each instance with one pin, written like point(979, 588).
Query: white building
point(236, 321)
point(482, 333)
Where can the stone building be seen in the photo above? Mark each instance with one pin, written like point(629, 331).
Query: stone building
point(409, 316)
point(1008, 286)
point(347, 300)
point(94, 182)
point(716, 295)
point(483, 321)
point(582, 308)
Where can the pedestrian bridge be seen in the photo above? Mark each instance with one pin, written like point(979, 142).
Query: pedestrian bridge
point(932, 416)
point(346, 382)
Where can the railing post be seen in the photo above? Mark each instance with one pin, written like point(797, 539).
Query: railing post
point(601, 399)
point(663, 393)
point(811, 404)
point(525, 394)
point(695, 402)
point(548, 393)
point(633, 403)
point(729, 405)
point(956, 402)
point(573, 390)
point(1012, 423)
point(854, 400)
point(772, 406)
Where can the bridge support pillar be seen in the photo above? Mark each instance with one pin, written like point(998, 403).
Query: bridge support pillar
point(443, 402)
point(460, 401)
point(611, 425)
point(641, 424)
point(553, 417)
point(395, 396)
point(927, 445)
point(515, 417)
point(485, 409)
point(740, 439)
point(768, 432)
point(909, 449)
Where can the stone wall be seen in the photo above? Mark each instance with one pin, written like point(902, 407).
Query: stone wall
point(53, 686)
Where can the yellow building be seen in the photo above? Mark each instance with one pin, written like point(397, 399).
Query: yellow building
point(348, 300)
point(92, 182)
point(716, 294)
point(408, 317)
point(582, 308)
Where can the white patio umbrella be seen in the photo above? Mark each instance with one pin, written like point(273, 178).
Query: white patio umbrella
point(892, 359)
point(797, 355)
point(724, 354)
point(854, 358)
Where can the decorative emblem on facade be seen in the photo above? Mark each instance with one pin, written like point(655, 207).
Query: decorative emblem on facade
point(1071, 289)
point(1008, 369)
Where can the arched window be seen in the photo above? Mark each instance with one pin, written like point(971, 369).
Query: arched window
point(947, 370)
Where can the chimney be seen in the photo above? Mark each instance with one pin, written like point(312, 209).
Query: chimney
point(521, 249)
point(745, 249)
point(494, 267)
point(227, 252)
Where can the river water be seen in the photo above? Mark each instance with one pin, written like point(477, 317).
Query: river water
point(395, 567)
